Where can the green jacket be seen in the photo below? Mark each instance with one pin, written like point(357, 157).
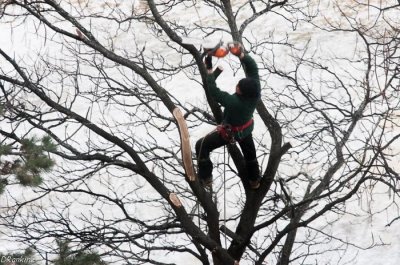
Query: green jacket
point(238, 109)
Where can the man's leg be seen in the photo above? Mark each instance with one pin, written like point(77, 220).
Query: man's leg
point(204, 146)
point(249, 153)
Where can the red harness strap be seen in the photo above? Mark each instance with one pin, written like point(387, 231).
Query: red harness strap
point(241, 128)
point(228, 131)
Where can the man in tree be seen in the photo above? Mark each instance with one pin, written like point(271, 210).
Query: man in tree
point(238, 121)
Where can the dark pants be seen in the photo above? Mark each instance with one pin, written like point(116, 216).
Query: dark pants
point(212, 141)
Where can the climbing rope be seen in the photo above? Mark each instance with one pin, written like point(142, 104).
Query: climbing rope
point(197, 205)
point(226, 245)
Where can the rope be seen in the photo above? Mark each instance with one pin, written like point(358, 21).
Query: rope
point(226, 245)
point(224, 180)
point(198, 158)
point(224, 184)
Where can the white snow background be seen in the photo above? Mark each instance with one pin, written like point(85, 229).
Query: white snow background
point(23, 42)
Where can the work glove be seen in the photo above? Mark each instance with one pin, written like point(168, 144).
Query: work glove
point(236, 48)
point(208, 62)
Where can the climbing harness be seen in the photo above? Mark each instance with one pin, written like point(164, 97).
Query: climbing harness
point(227, 131)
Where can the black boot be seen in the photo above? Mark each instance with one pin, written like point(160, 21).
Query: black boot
point(253, 174)
point(205, 172)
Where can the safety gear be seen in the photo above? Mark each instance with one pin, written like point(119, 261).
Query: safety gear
point(225, 131)
point(240, 128)
point(228, 132)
